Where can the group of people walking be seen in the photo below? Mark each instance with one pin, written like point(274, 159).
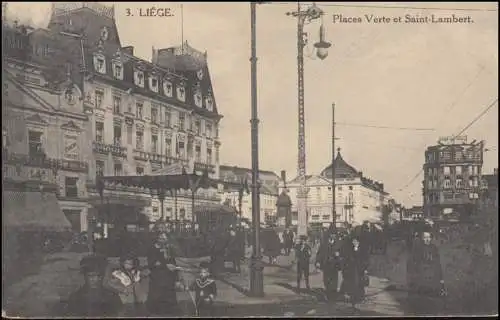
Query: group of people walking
point(134, 291)
point(337, 253)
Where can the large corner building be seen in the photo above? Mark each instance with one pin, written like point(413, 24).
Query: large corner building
point(452, 181)
point(79, 104)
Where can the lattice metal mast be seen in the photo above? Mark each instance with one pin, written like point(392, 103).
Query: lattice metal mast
point(302, 16)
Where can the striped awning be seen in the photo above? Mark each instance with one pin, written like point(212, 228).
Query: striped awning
point(33, 211)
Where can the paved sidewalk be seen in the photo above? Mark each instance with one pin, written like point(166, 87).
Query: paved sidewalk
point(280, 287)
point(36, 295)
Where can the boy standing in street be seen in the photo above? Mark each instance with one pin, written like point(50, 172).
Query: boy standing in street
point(205, 290)
point(303, 256)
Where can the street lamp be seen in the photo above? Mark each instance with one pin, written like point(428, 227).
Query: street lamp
point(256, 264)
point(312, 13)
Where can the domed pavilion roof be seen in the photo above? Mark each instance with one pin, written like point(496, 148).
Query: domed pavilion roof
point(342, 169)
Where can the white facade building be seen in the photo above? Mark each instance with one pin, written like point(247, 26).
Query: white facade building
point(357, 198)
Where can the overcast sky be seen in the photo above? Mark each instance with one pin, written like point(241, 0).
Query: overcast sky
point(398, 75)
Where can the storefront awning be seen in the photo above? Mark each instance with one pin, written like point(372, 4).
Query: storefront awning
point(120, 199)
point(33, 211)
point(215, 208)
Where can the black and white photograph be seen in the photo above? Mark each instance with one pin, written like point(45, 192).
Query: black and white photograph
point(249, 159)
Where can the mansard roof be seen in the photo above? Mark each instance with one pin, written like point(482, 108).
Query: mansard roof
point(189, 80)
point(238, 174)
point(58, 55)
point(73, 38)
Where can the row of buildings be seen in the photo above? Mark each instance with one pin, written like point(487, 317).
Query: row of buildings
point(77, 104)
point(357, 198)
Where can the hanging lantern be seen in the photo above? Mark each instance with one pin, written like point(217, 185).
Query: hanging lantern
point(322, 46)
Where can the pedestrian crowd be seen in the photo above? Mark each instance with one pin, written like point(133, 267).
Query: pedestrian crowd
point(135, 290)
point(132, 290)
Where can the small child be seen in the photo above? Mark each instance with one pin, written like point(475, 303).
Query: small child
point(131, 283)
point(205, 290)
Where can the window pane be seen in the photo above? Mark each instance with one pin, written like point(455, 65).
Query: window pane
point(71, 187)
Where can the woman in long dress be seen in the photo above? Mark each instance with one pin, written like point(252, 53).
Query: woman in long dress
point(355, 274)
point(425, 277)
point(164, 280)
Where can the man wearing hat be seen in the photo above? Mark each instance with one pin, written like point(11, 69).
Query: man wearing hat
point(303, 254)
point(93, 299)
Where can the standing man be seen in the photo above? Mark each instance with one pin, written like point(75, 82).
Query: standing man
point(288, 241)
point(303, 254)
point(233, 251)
point(328, 260)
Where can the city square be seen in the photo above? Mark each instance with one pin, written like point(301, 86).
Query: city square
point(364, 184)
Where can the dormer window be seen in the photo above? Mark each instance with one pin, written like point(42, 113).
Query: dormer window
point(181, 92)
point(100, 64)
point(118, 70)
point(209, 103)
point(167, 88)
point(153, 83)
point(139, 78)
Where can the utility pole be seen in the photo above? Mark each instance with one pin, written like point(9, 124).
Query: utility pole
point(334, 211)
point(256, 265)
point(312, 13)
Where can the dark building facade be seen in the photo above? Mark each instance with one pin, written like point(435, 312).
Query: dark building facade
point(452, 177)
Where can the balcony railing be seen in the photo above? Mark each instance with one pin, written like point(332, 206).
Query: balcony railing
point(114, 149)
point(155, 157)
point(141, 155)
point(42, 161)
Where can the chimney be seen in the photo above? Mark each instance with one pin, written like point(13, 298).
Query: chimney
point(154, 56)
point(129, 50)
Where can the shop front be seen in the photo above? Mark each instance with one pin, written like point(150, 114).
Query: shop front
point(32, 222)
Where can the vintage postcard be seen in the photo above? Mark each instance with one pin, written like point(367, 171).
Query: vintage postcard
point(258, 159)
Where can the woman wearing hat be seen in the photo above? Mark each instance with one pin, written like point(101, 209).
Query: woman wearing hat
point(355, 270)
point(162, 297)
point(93, 299)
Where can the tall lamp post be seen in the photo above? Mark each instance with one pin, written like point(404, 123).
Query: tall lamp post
point(312, 13)
point(256, 265)
point(334, 205)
